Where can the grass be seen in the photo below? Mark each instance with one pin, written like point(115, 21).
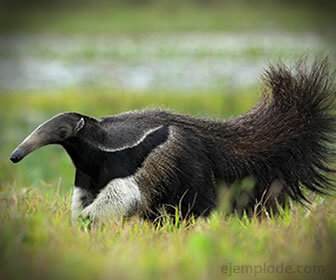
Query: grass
point(38, 241)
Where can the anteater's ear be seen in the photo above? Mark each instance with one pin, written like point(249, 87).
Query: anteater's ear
point(79, 125)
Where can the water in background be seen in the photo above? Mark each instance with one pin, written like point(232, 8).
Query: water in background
point(183, 61)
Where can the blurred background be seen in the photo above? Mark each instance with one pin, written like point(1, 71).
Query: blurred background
point(202, 57)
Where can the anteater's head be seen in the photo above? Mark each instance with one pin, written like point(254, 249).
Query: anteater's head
point(54, 131)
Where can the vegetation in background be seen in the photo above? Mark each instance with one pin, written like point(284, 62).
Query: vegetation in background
point(166, 15)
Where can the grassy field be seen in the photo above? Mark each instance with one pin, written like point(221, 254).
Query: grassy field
point(37, 239)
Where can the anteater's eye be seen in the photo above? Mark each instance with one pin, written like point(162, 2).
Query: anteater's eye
point(62, 132)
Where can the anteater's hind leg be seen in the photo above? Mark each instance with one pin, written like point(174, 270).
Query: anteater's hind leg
point(261, 199)
point(270, 200)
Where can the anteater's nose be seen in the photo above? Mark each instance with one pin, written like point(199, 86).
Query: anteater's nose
point(16, 156)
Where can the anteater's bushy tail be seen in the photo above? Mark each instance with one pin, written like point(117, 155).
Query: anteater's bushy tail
point(287, 138)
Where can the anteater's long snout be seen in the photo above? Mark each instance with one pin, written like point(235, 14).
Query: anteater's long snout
point(34, 141)
point(17, 155)
point(25, 148)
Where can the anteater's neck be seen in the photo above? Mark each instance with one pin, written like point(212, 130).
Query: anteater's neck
point(85, 155)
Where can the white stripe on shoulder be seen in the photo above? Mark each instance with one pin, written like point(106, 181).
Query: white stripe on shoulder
point(148, 132)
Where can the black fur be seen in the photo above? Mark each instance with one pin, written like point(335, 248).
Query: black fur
point(102, 167)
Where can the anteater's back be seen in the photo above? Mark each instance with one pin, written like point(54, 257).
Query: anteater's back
point(283, 142)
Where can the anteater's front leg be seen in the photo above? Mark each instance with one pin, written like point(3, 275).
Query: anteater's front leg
point(82, 196)
point(119, 198)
